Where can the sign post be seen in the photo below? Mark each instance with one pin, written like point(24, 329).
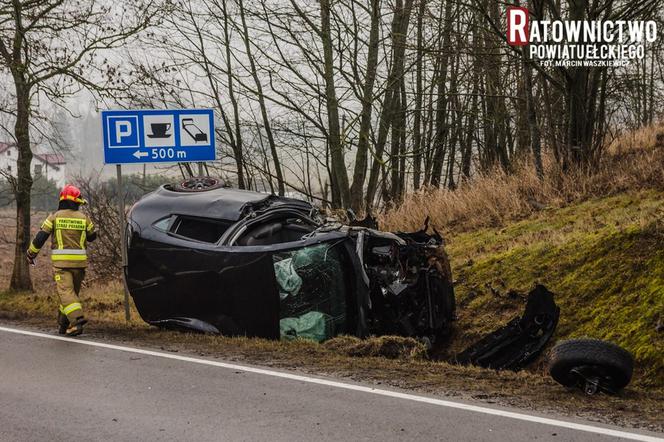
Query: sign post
point(154, 136)
point(123, 239)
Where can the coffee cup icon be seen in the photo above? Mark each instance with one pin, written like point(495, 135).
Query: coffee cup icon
point(159, 130)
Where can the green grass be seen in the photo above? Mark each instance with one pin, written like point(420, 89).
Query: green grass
point(603, 258)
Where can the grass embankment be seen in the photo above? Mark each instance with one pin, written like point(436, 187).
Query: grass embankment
point(603, 258)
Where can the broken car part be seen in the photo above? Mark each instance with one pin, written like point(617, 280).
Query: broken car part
point(592, 365)
point(208, 258)
point(520, 341)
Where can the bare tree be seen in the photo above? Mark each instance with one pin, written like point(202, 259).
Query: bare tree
point(361, 157)
point(402, 94)
point(50, 49)
point(338, 164)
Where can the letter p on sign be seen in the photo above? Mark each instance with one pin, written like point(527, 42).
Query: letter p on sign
point(122, 129)
point(517, 26)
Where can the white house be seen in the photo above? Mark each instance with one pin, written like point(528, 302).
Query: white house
point(50, 165)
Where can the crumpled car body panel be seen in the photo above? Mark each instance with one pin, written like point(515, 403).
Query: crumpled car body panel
point(521, 340)
point(250, 264)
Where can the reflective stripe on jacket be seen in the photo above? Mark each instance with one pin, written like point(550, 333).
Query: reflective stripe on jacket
point(69, 230)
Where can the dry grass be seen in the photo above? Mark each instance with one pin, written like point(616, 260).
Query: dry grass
point(102, 303)
point(391, 347)
point(495, 198)
point(629, 141)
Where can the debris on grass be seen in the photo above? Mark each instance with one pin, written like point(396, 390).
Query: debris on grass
point(391, 347)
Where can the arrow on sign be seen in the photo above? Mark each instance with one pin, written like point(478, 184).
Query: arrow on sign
point(138, 154)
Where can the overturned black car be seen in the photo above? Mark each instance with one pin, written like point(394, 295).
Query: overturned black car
point(220, 260)
point(211, 259)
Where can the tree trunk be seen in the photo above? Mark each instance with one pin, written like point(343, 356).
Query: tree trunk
point(578, 114)
point(533, 127)
point(521, 110)
point(361, 157)
point(395, 140)
point(261, 102)
point(334, 133)
point(335, 195)
point(417, 112)
point(496, 113)
point(399, 30)
point(429, 126)
point(236, 142)
point(457, 114)
point(21, 272)
point(439, 144)
point(467, 153)
point(651, 90)
point(402, 147)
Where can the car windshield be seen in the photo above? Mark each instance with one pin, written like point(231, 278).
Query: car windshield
point(312, 292)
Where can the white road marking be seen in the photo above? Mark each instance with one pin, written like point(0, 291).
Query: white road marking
point(361, 388)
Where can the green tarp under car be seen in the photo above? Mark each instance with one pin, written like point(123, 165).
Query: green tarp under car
point(312, 325)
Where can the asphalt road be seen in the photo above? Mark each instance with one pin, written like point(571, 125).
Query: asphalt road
point(56, 389)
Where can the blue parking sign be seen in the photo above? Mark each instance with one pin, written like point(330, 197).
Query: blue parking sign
point(158, 136)
point(123, 132)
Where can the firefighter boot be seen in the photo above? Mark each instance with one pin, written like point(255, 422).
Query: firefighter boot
point(63, 323)
point(77, 327)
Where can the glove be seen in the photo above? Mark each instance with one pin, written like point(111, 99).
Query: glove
point(31, 259)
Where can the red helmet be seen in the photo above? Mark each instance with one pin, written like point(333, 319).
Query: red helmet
point(71, 193)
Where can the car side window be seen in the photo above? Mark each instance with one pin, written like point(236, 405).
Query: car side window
point(198, 229)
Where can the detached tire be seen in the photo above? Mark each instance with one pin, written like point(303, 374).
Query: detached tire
point(573, 362)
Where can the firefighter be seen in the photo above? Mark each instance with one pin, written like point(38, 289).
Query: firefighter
point(70, 230)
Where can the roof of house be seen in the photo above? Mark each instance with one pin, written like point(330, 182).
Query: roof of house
point(4, 146)
point(52, 159)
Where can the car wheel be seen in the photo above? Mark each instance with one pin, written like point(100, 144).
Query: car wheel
point(591, 364)
point(198, 184)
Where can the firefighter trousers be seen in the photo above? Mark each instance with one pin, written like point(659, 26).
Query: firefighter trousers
point(68, 285)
